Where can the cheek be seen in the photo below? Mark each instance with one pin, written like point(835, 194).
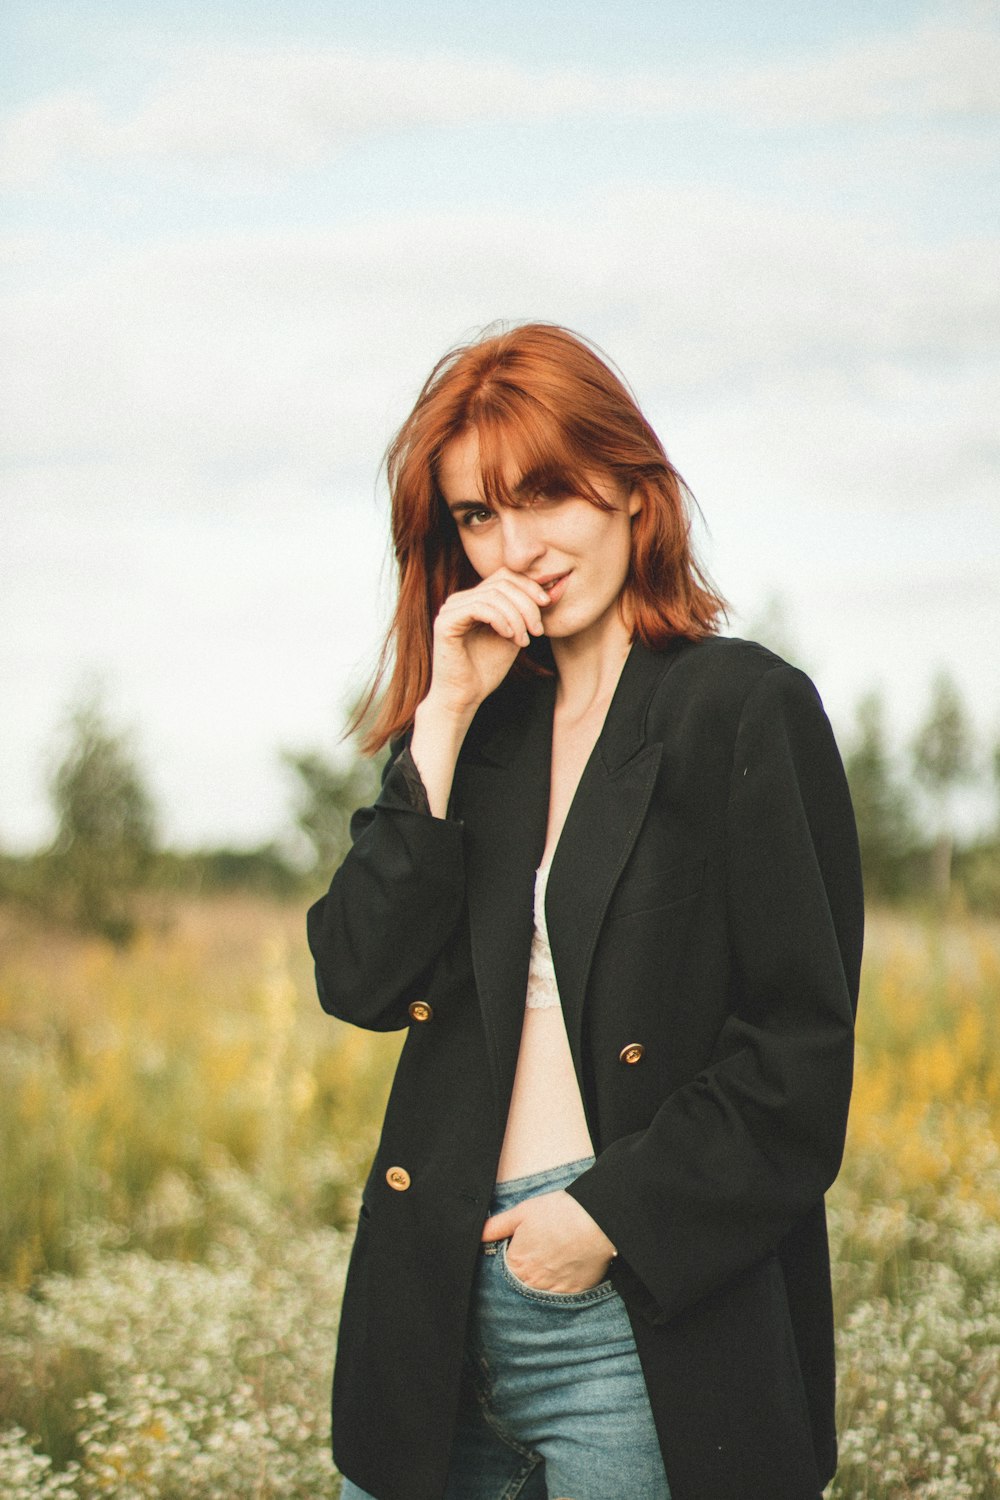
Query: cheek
point(477, 549)
point(612, 549)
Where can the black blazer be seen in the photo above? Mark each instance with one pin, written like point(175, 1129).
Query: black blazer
point(705, 904)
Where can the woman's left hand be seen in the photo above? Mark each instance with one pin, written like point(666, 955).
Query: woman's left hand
point(555, 1245)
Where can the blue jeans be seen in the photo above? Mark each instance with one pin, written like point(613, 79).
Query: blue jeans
point(553, 1400)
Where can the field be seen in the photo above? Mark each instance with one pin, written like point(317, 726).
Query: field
point(182, 1136)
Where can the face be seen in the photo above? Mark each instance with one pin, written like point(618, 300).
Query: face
point(577, 551)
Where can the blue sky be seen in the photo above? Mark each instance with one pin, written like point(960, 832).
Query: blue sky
point(235, 237)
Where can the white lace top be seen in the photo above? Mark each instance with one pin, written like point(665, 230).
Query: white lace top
point(543, 991)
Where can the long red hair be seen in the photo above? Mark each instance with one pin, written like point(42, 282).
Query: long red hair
point(546, 407)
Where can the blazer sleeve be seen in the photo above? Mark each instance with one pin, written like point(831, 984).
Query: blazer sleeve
point(391, 906)
point(734, 1158)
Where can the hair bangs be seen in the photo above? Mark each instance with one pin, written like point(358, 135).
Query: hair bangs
point(526, 453)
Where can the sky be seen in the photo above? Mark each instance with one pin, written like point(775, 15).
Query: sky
point(236, 237)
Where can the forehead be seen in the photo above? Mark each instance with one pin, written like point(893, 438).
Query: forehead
point(501, 473)
point(458, 470)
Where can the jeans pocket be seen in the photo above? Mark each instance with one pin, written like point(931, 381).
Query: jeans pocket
point(587, 1298)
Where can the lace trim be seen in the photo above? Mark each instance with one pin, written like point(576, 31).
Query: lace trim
point(543, 991)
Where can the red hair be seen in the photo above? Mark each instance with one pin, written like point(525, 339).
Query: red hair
point(546, 407)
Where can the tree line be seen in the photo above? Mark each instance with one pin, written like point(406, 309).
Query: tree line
point(107, 854)
point(906, 807)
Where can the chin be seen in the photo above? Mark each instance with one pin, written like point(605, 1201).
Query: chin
point(564, 627)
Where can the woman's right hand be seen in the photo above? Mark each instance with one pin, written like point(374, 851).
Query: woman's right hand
point(478, 633)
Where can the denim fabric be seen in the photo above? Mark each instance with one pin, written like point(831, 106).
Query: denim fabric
point(553, 1401)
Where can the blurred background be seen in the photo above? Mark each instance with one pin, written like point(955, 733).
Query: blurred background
point(235, 239)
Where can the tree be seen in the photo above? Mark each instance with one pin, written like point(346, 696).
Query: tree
point(881, 805)
point(942, 759)
point(327, 795)
point(106, 824)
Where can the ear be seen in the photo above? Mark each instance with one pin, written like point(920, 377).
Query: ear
point(635, 501)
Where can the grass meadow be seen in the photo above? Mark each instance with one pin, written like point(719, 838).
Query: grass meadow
point(182, 1138)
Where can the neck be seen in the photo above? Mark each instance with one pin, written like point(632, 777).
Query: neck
point(588, 669)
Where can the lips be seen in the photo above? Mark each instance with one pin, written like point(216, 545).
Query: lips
point(554, 586)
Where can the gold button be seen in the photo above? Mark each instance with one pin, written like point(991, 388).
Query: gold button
point(632, 1053)
point(398, 1178)
point(420, 1010)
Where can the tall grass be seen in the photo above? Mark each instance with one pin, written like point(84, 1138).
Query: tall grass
point(130, 1080)
point(182, 1138)
point(915, 1216)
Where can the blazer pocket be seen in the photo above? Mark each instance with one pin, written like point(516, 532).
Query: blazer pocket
point(650, 892)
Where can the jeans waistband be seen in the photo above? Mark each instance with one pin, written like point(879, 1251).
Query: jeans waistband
point(516, 1189)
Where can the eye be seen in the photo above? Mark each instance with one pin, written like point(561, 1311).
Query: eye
point(550, 494)
point(475, 517)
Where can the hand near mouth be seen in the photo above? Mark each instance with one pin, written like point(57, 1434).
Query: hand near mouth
point(478, 633)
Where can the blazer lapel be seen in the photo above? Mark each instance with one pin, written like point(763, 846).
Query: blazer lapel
point(600, 831)
point(502, 796)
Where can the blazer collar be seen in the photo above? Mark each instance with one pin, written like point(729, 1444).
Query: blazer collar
point(624, 732)
point(509, 717)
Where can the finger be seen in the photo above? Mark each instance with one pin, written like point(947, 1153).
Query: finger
point(521, 581)
point(513, 607)
point(524, 600)
point(459, 614)
point(500, 1226)
point(525, 603)
point(521, 587)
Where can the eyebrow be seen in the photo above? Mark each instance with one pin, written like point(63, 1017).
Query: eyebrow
point(526, 485)
point(460, 507)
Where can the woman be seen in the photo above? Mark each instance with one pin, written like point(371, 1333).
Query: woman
point(611, 886)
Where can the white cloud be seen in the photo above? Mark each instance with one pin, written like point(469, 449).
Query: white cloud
point(944, 68)
point(280, 109)
point(306, 347)
point(51, 132)
point(292, 107)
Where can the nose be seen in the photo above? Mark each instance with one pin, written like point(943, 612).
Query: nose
point(523, 543)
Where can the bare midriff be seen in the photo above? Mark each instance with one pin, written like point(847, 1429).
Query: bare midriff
point(546, 1125)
